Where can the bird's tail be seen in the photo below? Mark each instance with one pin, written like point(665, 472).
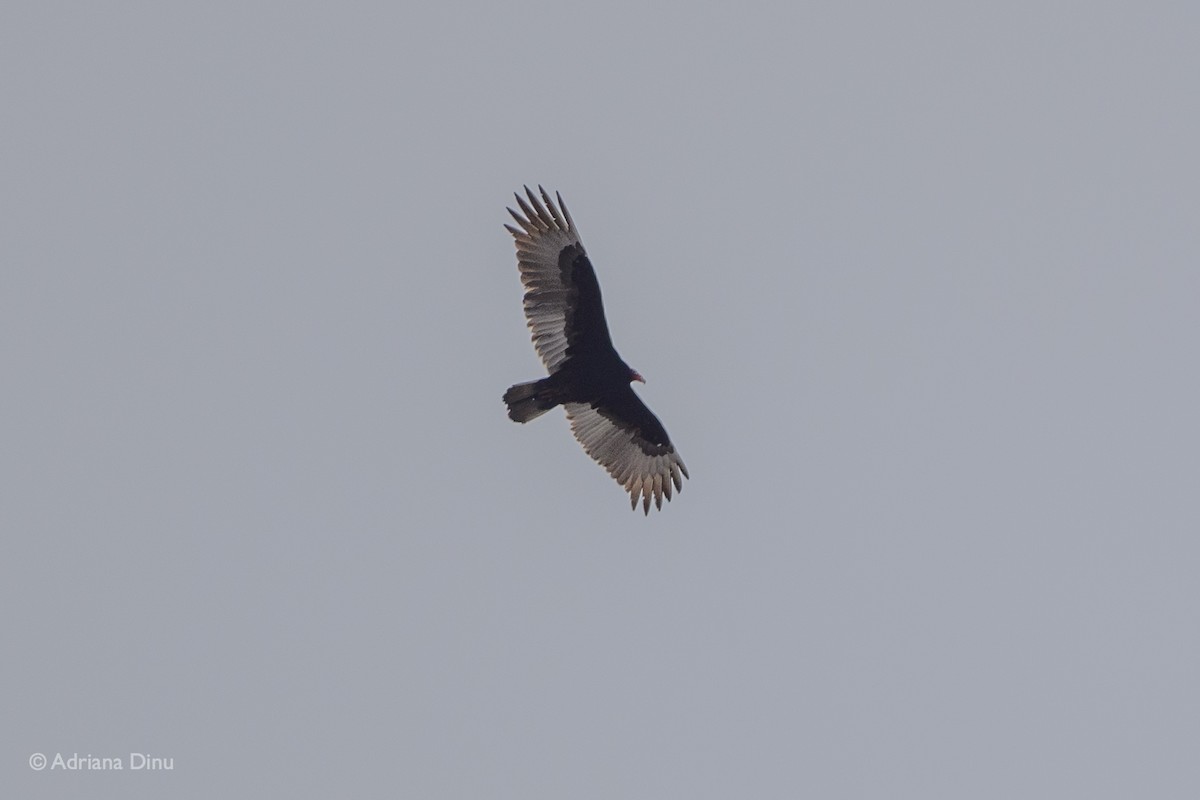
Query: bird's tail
point(525, 402)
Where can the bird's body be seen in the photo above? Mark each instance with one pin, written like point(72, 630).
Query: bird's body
point(587, 376)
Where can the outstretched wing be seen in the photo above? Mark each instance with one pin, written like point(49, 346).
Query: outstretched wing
point(562, 297)
point(625, 438)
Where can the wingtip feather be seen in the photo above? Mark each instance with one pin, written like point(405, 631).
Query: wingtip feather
point(566, 214)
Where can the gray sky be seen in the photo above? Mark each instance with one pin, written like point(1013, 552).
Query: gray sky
point(915, 290)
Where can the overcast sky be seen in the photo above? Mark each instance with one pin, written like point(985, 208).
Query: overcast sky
point(914, 287)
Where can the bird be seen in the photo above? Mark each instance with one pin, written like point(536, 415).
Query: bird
point(587, 377)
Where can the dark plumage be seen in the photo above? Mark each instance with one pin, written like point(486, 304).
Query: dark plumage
point(587, 377)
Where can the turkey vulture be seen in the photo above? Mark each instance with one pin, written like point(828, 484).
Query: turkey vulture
point(587, 377)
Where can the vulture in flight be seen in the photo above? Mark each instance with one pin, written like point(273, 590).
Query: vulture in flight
point(587, 377)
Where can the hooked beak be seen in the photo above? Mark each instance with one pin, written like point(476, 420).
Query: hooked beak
point(637, 376)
